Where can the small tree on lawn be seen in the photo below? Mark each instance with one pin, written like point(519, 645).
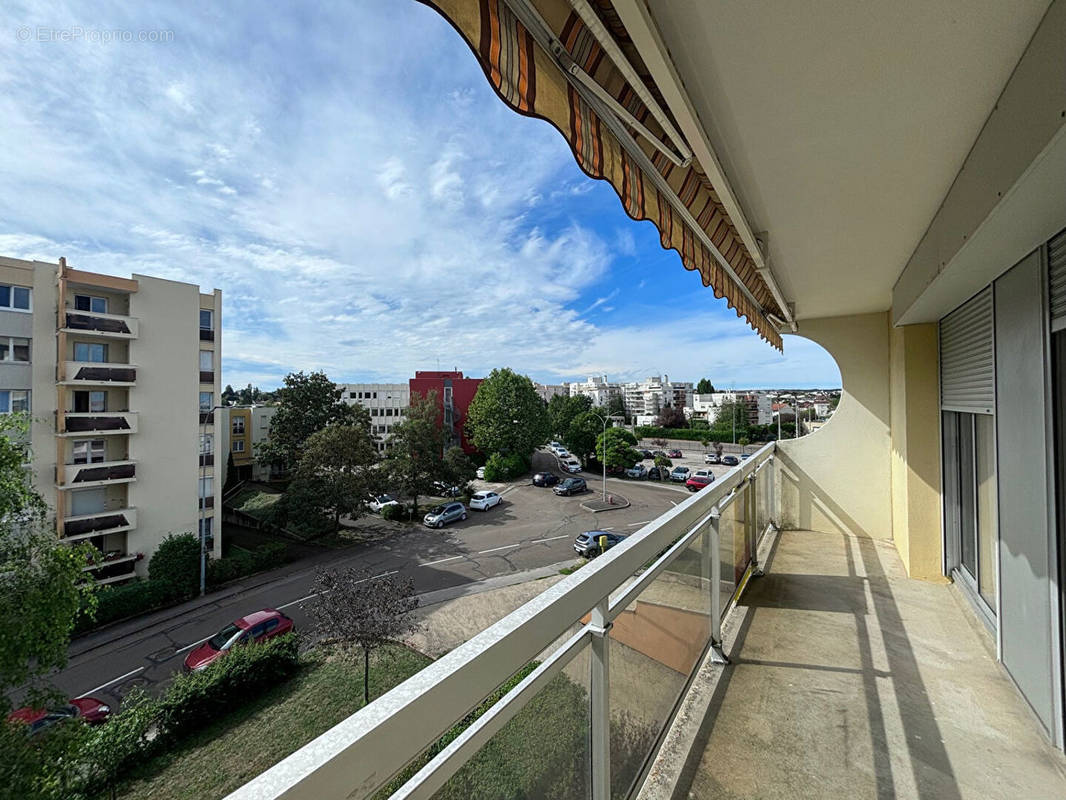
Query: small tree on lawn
point(356, 609)
point(335, 476)
point(416, 450)
point(718, 449)
point(705, 443)
point(618, 445)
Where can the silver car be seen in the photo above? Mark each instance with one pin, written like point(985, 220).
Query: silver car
point(439, 516)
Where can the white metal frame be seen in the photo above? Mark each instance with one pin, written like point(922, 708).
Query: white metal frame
point(11, 296)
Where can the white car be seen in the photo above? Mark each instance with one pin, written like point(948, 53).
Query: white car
point(572, 465)
point(378, 502)
point(483, 501)
point(481, 473)
point(562, 453)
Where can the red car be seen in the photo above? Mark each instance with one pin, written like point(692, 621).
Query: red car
point(257, 627)
point(697, 482)
point(88, 709)
point(675, 453)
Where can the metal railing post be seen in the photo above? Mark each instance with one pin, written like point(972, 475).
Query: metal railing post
point(753, 525)
point(774, 516)
point(718, 656)
point(600, 701)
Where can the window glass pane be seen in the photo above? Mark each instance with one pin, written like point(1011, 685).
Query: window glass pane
point(5, 349)
point(82, 302)
point(81, 402)
point(21, 297)
point(5, 296)
point(207, 443)
point(206, 401)
point(205, 486)
point(206, 320)
point(98, 401)
point(90, 353)
point(5, 402)
point(21, 349)
point(207, 360)
point(99, 305)
point(967, 515)
point(20, 401)
point(987, 523)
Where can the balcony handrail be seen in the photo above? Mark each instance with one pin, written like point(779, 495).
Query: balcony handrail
point(109, 413)
point(71, 362)
point(107, 512)
point(120, 317)
point(362, 753)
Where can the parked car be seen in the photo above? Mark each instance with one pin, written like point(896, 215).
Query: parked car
point(646, 454)
point(675, 453)
point(571, 486)
point(657, 453)
point(702, 473)
point(253, 628)
point(562, 453)
point(481, 473)
point(680, 474)
point(545, 479)
point(441, 515)
point(655, 474)
point(730, 461)
point(745, 456)
point(697, 482)
point(483, 501)
point(572, 465)
point(638, 471)
point(444, 490)
point(378, 502)
point(87, 709)
point(712, 458)
point(553, 445)
point(588, 544)
point(616, 470)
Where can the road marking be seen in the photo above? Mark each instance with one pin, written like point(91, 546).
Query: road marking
point(431, 563)
point(115, 680)
point(191, 646)
point(497, 549)
point(316, 594)
point(673, 503)
point(286, 605)
point(635, 524)
point(509, 489)
point(550, 538)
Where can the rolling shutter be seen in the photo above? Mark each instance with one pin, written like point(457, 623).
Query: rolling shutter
point(967, 357)
point(1056, 267)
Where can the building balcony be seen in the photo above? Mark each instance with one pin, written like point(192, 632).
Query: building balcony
point(83, 373)
point(113, 567)
point(85, 526)
point(104, 473)
point(108, 326)
point(98, 423)
point(713, 654)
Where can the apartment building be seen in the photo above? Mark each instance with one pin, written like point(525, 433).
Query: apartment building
point(759, 405)
point(649, 397)
point(598, 388)
point(454, 394)
point(386, 403)
point(112, 371)
point(546, 391)
point(243, 429)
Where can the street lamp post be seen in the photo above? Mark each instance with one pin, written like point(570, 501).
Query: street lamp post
point(203, 506)
point(606, 419)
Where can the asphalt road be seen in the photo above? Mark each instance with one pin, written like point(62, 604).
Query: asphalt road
point(531, 528)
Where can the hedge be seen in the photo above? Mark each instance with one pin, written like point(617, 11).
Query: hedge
point(504, 468)
point(243, 562)
point(196, 699)
point(396, 513)
point(127, 600)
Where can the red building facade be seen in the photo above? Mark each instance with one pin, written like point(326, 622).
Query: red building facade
point(454, 393)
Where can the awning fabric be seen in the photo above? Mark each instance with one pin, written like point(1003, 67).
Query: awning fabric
point(530, 81)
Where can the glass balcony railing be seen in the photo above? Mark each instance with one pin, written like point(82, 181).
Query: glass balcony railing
point(79, 476)
point(601, 690)
point(87, 373)
point(114, 326)
point(83, 526)
point(98, 422)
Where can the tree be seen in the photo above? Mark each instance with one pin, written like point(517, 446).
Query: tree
point(459, 470)
point(704, 443)
point(306, 404)
point(580, 437)
point(356, 608)
point(335, 476)
point(616, 406)
point(416, 453)
point(659, 443)
point(671, 417)
point(704, 387)
point(718, 448)
point(562, 411)
point(619, 444)
point(176, 565)
point(507, 415)
point(229, 397)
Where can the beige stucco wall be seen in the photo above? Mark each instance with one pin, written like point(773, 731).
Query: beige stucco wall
point(839, 478)
point(915, 416)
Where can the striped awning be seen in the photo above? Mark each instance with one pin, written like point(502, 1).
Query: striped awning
point(545, 62)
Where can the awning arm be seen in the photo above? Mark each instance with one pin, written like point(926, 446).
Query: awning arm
point(614, 52)
point(641, 28)
point(543, 35)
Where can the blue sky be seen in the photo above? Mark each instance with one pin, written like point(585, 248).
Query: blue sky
point(367, 206)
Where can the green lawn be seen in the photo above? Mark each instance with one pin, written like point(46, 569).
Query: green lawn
point(219, 759)
point(255, 502)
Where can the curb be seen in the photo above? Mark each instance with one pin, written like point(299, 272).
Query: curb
point(613, 507)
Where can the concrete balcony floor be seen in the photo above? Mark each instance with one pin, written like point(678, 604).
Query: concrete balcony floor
point(850, 680)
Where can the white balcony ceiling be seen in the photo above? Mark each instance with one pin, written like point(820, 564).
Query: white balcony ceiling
point(841, 125)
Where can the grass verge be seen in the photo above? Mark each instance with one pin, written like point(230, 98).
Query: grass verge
point(256, 502)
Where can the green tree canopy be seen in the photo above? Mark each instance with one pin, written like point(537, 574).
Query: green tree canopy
point(562, 411)
point(336, 476)
point(620, 445)
point(616, 406)
point(306, 404)
point(704, 387)
point(580, 438)
point(671, 417)
point(459, 470)
point(507, 415)
point(416, 450)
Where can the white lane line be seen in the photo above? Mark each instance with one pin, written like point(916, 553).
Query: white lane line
point(508, 489)
point(375, 577)
point(114, 680)
point(191, 646)
point(497, 549)
point(635, 524)
point(286, 605)
point(431, 563)
point(550, 538)
point(673, 503)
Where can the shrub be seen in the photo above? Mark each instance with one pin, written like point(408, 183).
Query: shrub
point(176, 565)
point(111, 749)
point(243, 562)
point(196, 699)
point(396, 513)
point(127, 600)
point(501, 467)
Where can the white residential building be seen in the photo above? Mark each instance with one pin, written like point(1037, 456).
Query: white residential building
point(759, 404)
point(648, 397)
point(547, 391)
point(386, 402)
point(120, 376)
point(598, 388)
